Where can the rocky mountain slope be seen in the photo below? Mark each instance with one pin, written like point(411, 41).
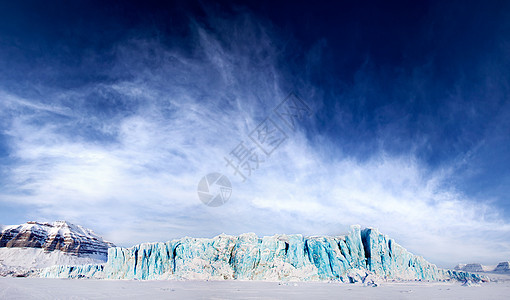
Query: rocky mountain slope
point(359, 256)
point(27, 247)
point(502, 267)
point(59, 235)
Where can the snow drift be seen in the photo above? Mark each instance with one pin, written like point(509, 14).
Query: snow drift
point(350, 258)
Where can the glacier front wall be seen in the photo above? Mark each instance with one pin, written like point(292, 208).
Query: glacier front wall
point(349, 258)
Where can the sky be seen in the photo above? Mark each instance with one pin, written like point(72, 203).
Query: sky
point(392, 115)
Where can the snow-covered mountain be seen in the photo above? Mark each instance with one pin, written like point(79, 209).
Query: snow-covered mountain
point(502, 267)
point(36, 245)
point(59, 235)
point(471, 267)
point(359, 256)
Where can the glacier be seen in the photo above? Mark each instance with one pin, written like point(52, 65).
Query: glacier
point(354, 257)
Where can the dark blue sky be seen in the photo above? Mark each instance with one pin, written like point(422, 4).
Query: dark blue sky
point(417, 85)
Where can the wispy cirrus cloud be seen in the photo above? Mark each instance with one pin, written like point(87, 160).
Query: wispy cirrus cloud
point(124, 155)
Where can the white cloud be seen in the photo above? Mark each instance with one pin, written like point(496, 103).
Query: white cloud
point(189, 112)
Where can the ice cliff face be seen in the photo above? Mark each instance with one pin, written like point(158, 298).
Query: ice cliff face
point(59, 235)
point(349, 258)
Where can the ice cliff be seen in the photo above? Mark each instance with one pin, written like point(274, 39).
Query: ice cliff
point(350, 258)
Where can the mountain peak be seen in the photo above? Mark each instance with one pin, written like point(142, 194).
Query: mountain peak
point(59, 235)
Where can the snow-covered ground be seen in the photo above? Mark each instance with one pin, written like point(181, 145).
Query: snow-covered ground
point(43, 288)
point(20, 260)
